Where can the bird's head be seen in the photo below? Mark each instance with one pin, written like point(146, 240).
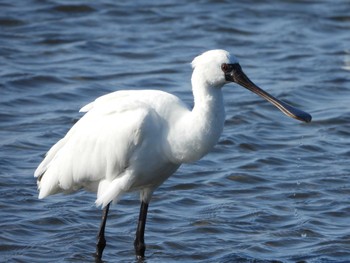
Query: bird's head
point(218, 67)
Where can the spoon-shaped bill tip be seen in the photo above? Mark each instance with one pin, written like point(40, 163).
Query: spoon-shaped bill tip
point(238, 76)
point(293, 112)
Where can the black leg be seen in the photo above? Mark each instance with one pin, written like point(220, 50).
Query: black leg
point(101, 241)
point(139, 242)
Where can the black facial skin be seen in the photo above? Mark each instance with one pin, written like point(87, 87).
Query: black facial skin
point(234, 73)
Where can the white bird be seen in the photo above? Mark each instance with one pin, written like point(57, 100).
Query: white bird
point(133, 140)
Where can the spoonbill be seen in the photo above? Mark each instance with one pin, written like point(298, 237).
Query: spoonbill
point(133, 140)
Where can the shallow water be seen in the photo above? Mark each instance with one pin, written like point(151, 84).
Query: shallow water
point(273, 189)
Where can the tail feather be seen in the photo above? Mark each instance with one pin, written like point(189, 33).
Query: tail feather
point(47, 186)
point(50, 156)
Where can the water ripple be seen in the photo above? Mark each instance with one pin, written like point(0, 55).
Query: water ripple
point(272, 190)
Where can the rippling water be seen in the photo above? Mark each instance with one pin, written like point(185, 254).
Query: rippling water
point(273, 189)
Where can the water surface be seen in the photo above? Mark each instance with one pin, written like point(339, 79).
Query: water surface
point(273, 189)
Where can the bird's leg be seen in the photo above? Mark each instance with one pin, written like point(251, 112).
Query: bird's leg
point(139, 242)
point(101, 241)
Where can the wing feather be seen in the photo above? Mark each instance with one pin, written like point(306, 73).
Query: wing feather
point(98, 147)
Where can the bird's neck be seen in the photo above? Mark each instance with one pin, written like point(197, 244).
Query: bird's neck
point(198, 131)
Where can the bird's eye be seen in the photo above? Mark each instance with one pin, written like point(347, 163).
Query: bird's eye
point(224, 67)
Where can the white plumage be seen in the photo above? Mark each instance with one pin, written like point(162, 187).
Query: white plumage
point(134, 140)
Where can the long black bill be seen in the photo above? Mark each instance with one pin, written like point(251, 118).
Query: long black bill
point(234, 73)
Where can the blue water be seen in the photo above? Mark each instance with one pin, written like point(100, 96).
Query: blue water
point(272, 190)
